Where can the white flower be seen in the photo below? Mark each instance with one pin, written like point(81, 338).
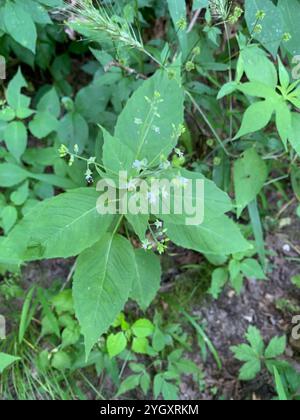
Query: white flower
point(179, 153)
point(89, 176)
point(76, 149)
point(139, 165)
point(138, 121)
point(146, 244)
point(91, 161)
point(156, 129)
point(158, 224)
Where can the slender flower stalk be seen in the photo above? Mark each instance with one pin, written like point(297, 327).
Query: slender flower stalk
point(98, 21)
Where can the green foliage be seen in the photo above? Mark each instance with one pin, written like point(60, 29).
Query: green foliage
point(192, 103)
point(256, 355)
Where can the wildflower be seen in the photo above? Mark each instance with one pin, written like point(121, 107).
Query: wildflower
point(140, 165)
point(158, 224)
point(138, 121)
point(156, 129)
point(63, 151)
point(146, 245)
point(179, 153)
point(260, 15)
point(91, 161)
point(210, 143)
point(76, 149)
point(286, 37)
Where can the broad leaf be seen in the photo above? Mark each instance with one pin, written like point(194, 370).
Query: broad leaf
point(147, 279)
point(19, 25)
point(15, 136)
point(102, 284)
point(272, 25)
point(256, 117)
point(149, 124)
point(62, 226)
point(217, 236)
point(6, 360)
point(250, 175)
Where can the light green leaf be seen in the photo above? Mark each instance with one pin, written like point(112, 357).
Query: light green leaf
point(13, 94)
point(256, 117)
point(276, 347)
point(290, 11)
point(49, 102)
point(130, 383)
point(102, 284)
point(15, 136)
point(9, 216)
point(272, 25)
point(254, 58)
point(72, 130)
point(140, 345)
point(219, 279)
point(19, 25)
point(250, 175)
point(255, 339)
point(252, 269)
point(139, 222)
point(6, 360)
point(147, 279)
point(150, 121)
point(116, 343)
point(43, 124)
point(250, 370)
point(178, 13)
point(116, 155)
point(295, 132)
point(217, 236)
point(62, 226)
point(11, 175)
point(142, 328)
point(283, 121)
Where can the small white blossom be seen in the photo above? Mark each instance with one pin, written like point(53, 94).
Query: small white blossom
point(138, 121)
point(139, 165)
point(146, 244)
point(158, 224)
point(156, 129)
point(179, 153)
point(91, 160)
point(76, 149)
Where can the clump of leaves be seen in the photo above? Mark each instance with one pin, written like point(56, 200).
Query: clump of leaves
point(257, 355)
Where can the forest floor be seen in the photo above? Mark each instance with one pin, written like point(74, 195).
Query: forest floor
point(270, 305)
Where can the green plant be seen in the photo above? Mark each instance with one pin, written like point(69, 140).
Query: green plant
point(257, 355)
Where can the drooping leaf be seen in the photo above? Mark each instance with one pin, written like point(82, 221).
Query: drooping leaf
point(102, 284)
point(62, 226)
point(149, 124)
point(250, 174)
point(147, 279)
point(219, 236)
